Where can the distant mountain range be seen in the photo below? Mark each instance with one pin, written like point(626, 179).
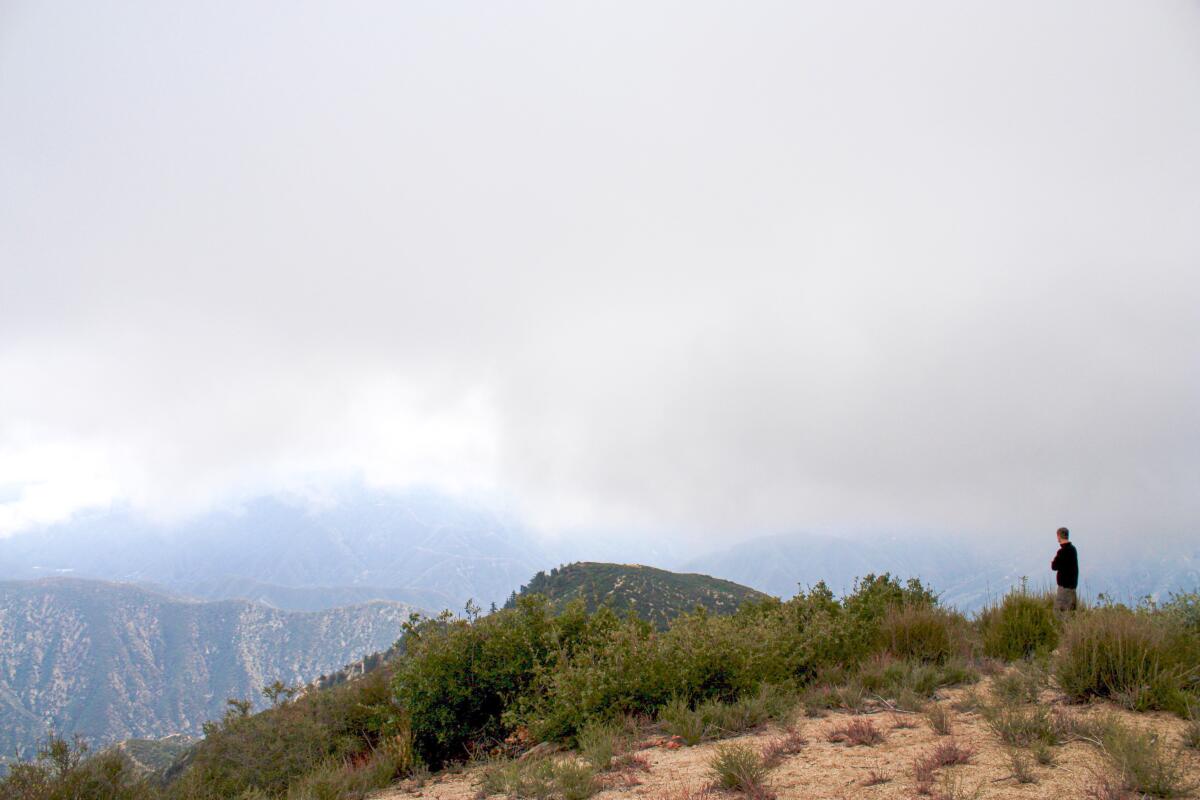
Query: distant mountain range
point(964, 575)
point(115, 661)
point(656, 595)
point(419, 548)
point(435, 552)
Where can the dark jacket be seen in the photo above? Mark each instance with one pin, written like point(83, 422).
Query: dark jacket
point(1066, 564)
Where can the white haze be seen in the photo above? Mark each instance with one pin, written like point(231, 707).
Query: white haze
point(698, 268)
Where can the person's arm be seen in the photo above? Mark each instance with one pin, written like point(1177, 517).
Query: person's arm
point(1054, 563)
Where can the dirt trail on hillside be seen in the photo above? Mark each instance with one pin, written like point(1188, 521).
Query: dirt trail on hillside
point(825, 770)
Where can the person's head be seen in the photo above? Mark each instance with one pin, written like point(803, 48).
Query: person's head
point(1063, 535)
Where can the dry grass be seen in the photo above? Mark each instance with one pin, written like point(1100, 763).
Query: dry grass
point(702, 791)
point(856, 732)
point(776, 750)
point(1145, 765)
point(1022, 769)
point(968, 703)
point(875, 777)
point(955, 788)
point(1106, 788)
point(1191, 734)
point(924, 771)
point(949, 753)
point(940, 719)
point(946, 754)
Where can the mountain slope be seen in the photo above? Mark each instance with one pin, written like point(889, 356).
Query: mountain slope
point(655, 594)
point(113, 661)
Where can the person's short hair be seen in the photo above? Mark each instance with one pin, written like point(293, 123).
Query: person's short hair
point(1063, 533)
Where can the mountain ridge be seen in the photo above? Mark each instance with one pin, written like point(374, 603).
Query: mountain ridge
point(116, 661)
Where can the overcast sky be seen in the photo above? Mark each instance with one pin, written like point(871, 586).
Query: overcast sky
point(720, 268)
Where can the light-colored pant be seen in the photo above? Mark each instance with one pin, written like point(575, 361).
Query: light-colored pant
point(1065, 600)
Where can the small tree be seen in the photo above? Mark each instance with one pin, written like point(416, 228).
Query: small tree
point(278, 692)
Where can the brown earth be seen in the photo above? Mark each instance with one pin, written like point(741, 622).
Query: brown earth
point(824, 770)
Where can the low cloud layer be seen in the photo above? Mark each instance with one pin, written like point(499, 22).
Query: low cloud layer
point(685, 267)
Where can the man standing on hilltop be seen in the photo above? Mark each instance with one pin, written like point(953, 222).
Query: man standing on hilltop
point(1066, 564)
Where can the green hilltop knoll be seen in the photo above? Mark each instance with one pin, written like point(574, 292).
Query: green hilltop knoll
point(656, 595)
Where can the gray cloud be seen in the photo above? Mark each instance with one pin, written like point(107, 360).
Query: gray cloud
point(679, 266)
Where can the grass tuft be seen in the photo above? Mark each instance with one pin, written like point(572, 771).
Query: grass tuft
point(1023, 727)
point(776, 750)
point(940, 719)
point(875, 778)
point(739, 767)
point(856, 732)
point(600, 743)
point(1144, 765)
point(948, 754)
point(680, 720)
point(1022, 769)
point(539, 779)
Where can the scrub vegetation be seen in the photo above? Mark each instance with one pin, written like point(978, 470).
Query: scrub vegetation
point(486, 689)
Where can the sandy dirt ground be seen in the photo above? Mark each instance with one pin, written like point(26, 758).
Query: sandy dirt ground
point(824, 770)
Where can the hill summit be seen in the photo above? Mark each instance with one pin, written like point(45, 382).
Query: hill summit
point(655, 595)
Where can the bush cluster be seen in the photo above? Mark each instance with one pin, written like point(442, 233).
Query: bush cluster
point(1140, 658)
point(468, 684)
point(64, 770)
point(1023, 625)
point(351, 738)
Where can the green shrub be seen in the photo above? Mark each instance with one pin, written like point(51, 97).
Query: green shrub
point(269, 752)
point(64, 770)
point(619, 669)
point(600, 743)
point(924, 632)
point(1185, 608)
point(460, 677)
point(1023, 625)
point(680, 720)
point(1142, 660)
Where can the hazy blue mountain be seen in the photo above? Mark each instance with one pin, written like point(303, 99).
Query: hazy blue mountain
point(416, 547)
point(302, 598)
point(115, 661)
point(435, 552)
